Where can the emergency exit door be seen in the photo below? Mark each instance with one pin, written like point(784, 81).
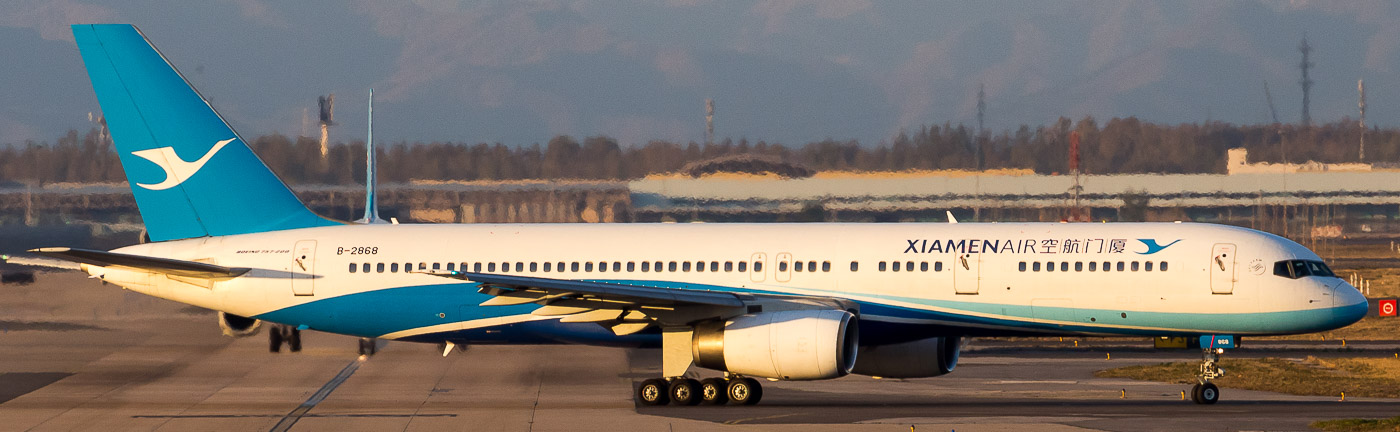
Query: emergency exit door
point(967, 273)
point(1222, 269)
point(303, 268)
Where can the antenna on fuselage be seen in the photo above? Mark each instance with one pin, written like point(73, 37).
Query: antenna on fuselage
point(371, 200)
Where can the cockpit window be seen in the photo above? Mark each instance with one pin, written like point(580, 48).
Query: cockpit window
point(1294, 269)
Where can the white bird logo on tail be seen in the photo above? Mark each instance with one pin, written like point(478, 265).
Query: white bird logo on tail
point(176, 169)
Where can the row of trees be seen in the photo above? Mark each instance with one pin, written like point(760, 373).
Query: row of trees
point(1122, 145)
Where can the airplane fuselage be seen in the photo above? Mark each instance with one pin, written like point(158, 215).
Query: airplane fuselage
point(911, 281)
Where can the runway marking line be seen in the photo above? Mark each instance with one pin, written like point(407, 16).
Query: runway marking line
point(738, 421)
point(292, 417)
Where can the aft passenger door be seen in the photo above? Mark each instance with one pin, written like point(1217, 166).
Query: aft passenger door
point(967, 273)
point(303, 268)
point(1222, 269)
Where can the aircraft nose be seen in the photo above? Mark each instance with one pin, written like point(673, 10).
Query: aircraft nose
point(1348, 304)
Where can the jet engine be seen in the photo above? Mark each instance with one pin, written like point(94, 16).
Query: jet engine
point(238, 326)
point(917, 359)
point(790, 345)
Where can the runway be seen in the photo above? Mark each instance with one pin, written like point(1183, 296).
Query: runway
point(75, 355)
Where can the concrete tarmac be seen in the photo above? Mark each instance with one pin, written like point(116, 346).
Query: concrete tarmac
point(75, 355)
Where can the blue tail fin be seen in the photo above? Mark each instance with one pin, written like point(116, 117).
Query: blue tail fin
point(191, 174)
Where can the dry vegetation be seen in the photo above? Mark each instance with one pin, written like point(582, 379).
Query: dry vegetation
point(1359, 425)
point(1358, 377)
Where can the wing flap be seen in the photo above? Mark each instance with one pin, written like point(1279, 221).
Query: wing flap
point(139, 262)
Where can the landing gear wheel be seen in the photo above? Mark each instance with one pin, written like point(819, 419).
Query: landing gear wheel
point(745, 391)
point(274, 339)
point(367, 346)
point(684, 391)
point(653, 392)
point(294, 340)
point(714, 391)
point(1205, 394)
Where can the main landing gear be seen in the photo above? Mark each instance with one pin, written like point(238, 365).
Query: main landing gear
point(282, 333)
point(1205, 392)
point(368, 346)
point(710, 391)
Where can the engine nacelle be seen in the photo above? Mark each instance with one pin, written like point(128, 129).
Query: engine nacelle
point(238, 326)
point(790, 345)
point(918, 359)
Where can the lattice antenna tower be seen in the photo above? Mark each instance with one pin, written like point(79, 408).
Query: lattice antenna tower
point(1306, 82)
point(1361, 104)
point(709, 121)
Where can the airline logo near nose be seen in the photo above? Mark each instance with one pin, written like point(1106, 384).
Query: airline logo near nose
point(1153, 247)
point(176, 170)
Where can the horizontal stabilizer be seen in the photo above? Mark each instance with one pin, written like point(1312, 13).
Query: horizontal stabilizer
point(152, 264)
point(40, 262)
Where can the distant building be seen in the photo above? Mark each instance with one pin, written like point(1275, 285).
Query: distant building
point(1237, 162)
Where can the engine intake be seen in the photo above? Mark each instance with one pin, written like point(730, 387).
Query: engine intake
point(918, 359)
point(238, 326)
point(790, 345)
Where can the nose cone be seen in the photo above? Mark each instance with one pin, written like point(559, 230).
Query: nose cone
point(1348, 305)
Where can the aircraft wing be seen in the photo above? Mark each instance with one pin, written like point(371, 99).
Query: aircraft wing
point(152, 264)
point(628, 308)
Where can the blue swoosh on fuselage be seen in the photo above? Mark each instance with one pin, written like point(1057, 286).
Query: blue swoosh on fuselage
point(1152, 246)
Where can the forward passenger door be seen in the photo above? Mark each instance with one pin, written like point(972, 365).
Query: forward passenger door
point(1222, 268)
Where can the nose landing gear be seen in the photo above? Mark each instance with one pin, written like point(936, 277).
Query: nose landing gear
point(1205, 392)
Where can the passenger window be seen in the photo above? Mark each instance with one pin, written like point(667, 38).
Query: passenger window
point(588, 266)
point(895, 266)
point(1064, 266)
point(559, 267)
point(1147, 266)
point(758, 266)
point(923, 266)
point(1035, 266)
point(437, 266)
point(882, 266)
point(909, 266)
point(729, 266)
point(1093, 266)
point(938, 266)
point(714, 266)
point(534, 266)
point(451, 266)
point(354, 267)
point(602, 266)
point(796, 266)
point(491, 267)
point(699, 266)
point(379, 268)
point(1079, 266)
point(394, 268)
point(1135, 266)
point(1023, 266)
point(782, 266)
point(617, 266)
point(573, 266)
point(631, 266)
point(1107, 266)
point(1120, 266)
point(646, 266)
point(365, 268)
point(672, 266)
point(743, 266)
point(1163, 267)
point(685, 266)
point(826, 266)
point(548, 267)
point(476, 267)
point(1050, 266)
point(855, 266)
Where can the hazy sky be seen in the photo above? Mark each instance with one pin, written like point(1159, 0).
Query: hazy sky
point(787, 71)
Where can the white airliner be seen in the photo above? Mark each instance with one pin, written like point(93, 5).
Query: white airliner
point(779, 301)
